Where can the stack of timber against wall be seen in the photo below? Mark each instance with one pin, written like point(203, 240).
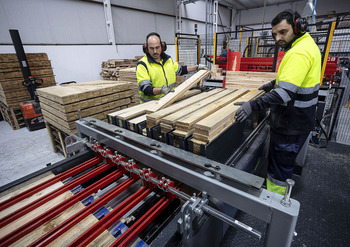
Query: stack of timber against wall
point(112, 67)
point(12, 92)
point(61, 104)
point(245, 79)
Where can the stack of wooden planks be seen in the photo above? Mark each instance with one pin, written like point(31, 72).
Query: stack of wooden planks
point(12, 92)
point(112, 67)
point(245, 79)
point(61, 104)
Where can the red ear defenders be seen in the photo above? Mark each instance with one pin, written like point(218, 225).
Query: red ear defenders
point(299, 25)
point(162, 43)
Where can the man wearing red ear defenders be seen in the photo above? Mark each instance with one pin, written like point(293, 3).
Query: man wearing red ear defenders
point(156, 72)
point(292, 97)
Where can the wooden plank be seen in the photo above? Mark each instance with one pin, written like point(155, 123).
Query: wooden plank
point(51, 224)
point(136, 121)
point(33, 214)
point(186, 123)
point(170, 120)
point(15, 190)
point(30, 199)
point(49, 131)
point(179, 91)
point(155, 118)
point(210, 127)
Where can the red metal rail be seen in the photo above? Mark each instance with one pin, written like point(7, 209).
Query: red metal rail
point(26, 209)
point(25, 194)
point(66, 225)
point(142, 223)
point(107, 221)
point(41, 219)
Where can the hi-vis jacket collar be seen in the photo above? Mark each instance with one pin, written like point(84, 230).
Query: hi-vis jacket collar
point(163, 55)
point(290, 44)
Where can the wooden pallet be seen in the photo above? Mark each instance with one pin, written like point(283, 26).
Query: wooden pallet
point(57, 137)
point(12, 115)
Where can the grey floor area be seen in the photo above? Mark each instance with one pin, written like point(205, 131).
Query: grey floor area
point(23, 152)
point(323, 190)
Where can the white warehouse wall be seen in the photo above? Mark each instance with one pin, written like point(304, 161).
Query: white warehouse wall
point(73, 33)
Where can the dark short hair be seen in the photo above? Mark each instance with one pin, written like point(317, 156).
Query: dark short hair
point(289, 15)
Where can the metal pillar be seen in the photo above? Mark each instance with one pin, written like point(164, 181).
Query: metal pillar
point(109, 21)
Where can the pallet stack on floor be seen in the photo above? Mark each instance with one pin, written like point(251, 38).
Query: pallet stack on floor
point(61, 104)
point(12, 92)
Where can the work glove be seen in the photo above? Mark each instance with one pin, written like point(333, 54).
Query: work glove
point(166, 89)
point(202, 66)
point(268, 86)
point(244, 111)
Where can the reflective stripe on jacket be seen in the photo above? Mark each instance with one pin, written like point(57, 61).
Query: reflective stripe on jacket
point(152, 73)
point(297, 83)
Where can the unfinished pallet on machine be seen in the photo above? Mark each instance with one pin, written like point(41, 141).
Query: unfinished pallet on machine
point(155, 105)
point(245, 79)
point(185, 125)
point(210, 127)
point(61, 104)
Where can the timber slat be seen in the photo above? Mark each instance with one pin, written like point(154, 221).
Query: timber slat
point(186, 123)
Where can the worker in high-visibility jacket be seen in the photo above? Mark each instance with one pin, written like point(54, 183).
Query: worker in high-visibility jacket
point(292, 97)
point(156, 71)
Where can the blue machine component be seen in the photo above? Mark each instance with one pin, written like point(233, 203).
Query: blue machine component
point(88, 201)
point(77, 189)
point(101, 212)
point(141, 243)
point(119, 229)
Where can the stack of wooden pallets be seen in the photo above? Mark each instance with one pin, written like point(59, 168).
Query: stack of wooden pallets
point(61, 104)
point(12, 92)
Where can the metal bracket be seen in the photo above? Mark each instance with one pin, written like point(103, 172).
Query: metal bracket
point(74, 143)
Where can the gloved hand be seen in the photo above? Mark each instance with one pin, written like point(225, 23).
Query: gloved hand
point(268, 86)
point(166, 89)
point(244, 111)
point(202, 66)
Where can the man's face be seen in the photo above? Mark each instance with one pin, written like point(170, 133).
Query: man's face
point(154, 47)
point(283, 33)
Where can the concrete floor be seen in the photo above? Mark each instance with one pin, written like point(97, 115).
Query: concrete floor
point(23, 152)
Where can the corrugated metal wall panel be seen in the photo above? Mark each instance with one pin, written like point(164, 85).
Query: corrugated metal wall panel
point(131, 27)
point(54, 22)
